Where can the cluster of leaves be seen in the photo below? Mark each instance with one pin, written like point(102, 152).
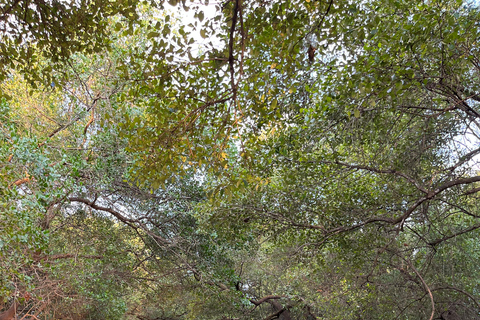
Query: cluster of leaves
point(31, 30)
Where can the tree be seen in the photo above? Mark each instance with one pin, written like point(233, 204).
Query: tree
point(30, 30)
point(378, 161)
point(311, 160)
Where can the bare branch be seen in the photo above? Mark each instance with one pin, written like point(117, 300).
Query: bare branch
point(265, 299)
point(75, 119)
point(426, 288)
point(133, 223)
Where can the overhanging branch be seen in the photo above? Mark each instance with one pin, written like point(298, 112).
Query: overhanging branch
point(265, 299)
point(133, 223)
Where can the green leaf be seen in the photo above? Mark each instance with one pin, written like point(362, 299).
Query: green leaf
point(153, 34)
point(274, 104)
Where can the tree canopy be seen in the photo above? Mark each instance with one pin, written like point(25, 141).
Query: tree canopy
point(240, 160)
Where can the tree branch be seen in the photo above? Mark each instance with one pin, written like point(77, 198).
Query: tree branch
point(426, 288)
point(436, 242)
point(461, 291)
point(401, 219)
point(231, 58)
point(384, 171)
point(265, 299)
point(66, 256)
point(128, 221)
point(75, 119)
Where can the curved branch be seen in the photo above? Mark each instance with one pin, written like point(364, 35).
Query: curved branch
point(400, 219)
point(7, 11)
point(426, 288)
point(115, 213)
point(90, 121)
point(461, 209)
point(133, 223)
point(461, 291)
point(265, 299)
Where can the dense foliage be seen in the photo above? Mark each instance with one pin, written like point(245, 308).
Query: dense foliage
point(240, 160)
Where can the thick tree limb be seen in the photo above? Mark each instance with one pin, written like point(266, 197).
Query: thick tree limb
point(265, 299)
point(281, 312)
point(93, 205)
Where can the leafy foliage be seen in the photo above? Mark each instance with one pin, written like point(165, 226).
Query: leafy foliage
point(289, 159)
